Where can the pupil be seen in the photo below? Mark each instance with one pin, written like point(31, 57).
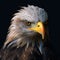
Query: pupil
point(29, 23)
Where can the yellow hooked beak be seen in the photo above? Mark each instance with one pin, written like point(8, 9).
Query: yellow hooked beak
point(39, 28)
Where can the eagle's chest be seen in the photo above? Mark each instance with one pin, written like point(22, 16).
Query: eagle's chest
point(21, 54)
point(31, 54)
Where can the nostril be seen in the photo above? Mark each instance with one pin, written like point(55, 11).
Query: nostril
point(38, 25)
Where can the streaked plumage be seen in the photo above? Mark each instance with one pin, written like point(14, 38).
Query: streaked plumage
point(22, 43)
point(17, 28)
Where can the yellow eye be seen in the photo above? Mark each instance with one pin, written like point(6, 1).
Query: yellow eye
point(28, 23)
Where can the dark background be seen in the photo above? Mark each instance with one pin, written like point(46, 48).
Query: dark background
point(9, 7)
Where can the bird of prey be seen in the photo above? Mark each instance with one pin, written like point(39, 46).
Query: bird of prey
point(27, 35)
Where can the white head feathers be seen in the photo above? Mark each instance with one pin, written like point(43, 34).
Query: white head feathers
point(31, 13)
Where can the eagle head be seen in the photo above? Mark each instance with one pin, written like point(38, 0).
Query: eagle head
point(27, 27)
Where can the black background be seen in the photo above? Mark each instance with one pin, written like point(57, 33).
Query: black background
point(9, 7)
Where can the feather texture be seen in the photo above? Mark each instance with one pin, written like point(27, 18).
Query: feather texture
point(21, 43)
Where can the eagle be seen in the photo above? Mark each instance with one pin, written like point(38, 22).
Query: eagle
point(27, 35)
